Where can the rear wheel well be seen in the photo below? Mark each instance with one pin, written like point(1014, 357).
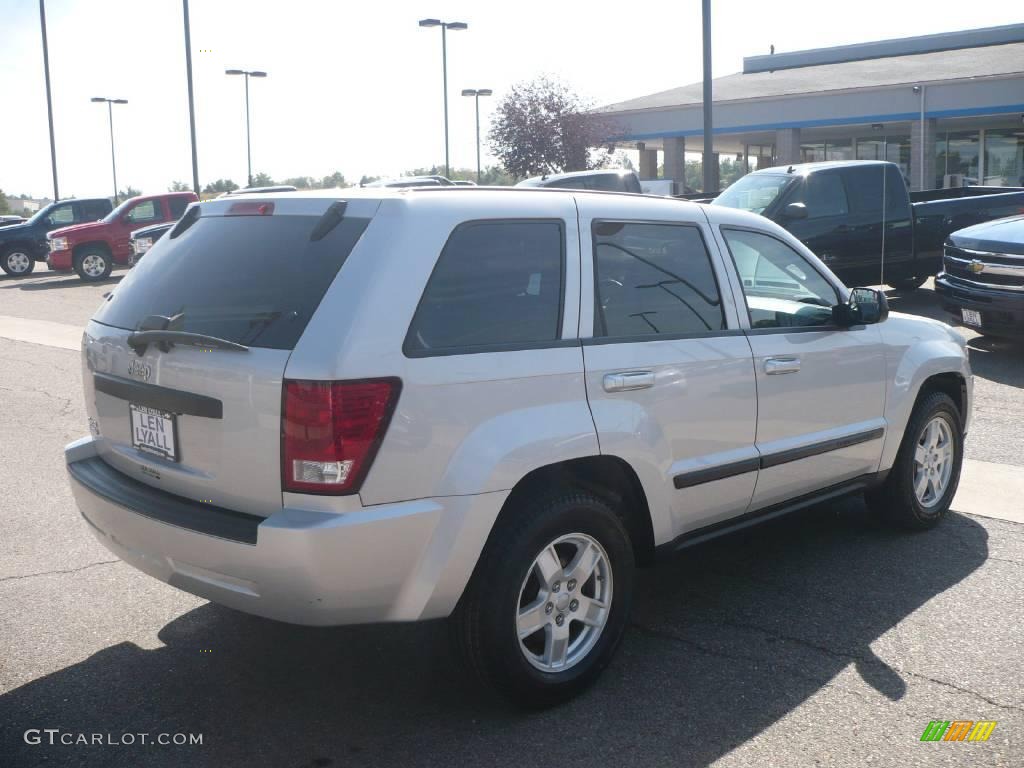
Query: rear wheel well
point(607, 477)
point(952, 384)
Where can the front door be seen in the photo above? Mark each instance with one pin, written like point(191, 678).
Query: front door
point(668, 371)
point(820, 388)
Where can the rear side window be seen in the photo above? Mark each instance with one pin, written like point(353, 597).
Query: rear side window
point(178, 206)
point(94, 209)
point(824, 195)
point(254, 280)
point(653, 280)
point(496, 284)
point(148, 210)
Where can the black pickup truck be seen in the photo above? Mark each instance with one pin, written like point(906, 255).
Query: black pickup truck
point(22, 245)
point(868, 232)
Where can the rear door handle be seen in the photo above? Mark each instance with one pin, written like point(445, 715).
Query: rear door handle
point(628, 381)
point(774, 366)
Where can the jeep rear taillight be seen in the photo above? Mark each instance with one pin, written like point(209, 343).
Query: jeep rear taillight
point(330, 432)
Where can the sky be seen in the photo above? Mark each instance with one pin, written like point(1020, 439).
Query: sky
point(356, 87)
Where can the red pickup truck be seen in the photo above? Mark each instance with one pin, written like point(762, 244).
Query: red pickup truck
point(93, 249)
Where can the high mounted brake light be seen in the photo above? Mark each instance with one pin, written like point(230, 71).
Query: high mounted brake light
point(331, 430)
point(251, 208)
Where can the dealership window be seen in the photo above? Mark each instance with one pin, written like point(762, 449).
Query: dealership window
point(956, 158)
point(895, 149)
point(1004, 157)
point(827, 150)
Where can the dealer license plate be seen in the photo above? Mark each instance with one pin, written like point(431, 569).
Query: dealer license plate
point(154, 431)
point(971, 317)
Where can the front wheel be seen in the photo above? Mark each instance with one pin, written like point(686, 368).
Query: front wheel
point(924, 478)
point(549, 600)
point(17, 261)
point(93, 264)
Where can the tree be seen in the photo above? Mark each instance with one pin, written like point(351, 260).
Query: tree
point(220, 186)
point(543, 126)
point(179, 186)
point(4, 207)
point(301, 182)
point(124, 194)
point(368, 179)
point(336, 179)
point(262, 180)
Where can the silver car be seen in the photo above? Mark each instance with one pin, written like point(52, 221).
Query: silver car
point(392, 405)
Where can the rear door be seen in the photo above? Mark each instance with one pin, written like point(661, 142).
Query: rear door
point(820, 388)
point(669, 373)
point(205, 422)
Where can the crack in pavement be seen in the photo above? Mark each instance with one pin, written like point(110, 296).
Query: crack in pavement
point(845, 655)
point(58, 571)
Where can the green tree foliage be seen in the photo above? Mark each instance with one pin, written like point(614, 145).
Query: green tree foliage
point(4, 207)
point(336, 179)
point(179, 186)
point(364, 179)
point(124, 194)
point(301, 182)
point(219, 186)
point(262, 180)
point(543, 126)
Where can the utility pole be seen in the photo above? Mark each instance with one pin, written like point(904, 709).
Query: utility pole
point(49, 97)
point(191, 99)
point(708, 142)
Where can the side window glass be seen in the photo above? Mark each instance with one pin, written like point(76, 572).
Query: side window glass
point(61, 216)
point(148, 210)
point(781, 287)
point(653, 279)
point(824, 195)
point(495, 283)
point(177, 206)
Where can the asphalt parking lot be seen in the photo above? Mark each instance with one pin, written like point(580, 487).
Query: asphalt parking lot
point(820, 640)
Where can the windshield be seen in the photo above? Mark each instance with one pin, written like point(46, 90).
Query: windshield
point(253, 280)
point(112, 216)
point(754, 192)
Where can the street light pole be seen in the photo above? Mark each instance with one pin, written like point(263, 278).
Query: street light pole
point(445, 26)
point(248, 140)
point(191, 100)
point(707, 100)
point(476, 93)
point(49, 98)
point(110, 116)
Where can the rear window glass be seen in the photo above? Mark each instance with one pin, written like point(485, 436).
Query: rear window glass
point(495, 283)
point(254, 280)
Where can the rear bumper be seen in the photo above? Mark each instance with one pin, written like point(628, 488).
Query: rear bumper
point(1002, 312)
point(391, 562)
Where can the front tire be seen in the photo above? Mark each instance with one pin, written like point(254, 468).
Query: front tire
point(923, 480)
point(549, 600)
point(93, 264)
point(17, 261)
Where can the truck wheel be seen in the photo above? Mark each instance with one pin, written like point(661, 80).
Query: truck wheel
point(17, 261)
point(909, 284)
point(549, 600)
point(93, 264)
point(924, 478)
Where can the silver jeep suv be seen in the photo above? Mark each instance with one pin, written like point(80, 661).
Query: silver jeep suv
point(394, 405)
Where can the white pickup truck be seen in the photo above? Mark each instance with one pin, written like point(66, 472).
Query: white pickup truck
point(392, 405)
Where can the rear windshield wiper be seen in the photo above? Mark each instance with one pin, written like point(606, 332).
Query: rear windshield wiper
point(139, 340)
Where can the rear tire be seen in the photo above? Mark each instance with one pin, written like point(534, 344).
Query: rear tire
point(17, 261)
point(909, 284)
point(925, 476)
point(93, 264)
point(530, 577)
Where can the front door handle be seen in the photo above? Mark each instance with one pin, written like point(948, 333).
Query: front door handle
point(774, 366)
point(628, 381)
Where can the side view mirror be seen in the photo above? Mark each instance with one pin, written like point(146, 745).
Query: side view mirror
point(865, 306)
point(795, 211)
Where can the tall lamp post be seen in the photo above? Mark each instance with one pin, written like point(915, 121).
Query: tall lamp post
point(110, 115)
point(49, 98)
point(476, 93)
point(445, 26)
point(248, 142)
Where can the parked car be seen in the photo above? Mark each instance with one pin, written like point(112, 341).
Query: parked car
point(22, 245)
point(982, 282)
point(7, 221)
point(836, 210)
point(141, 240)
point(614, 180)
point(93, 249)
point(394, 405)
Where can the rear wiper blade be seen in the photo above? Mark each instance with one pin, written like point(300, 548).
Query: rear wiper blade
point(139, 340)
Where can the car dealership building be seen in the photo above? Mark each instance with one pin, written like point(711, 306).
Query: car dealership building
point(948, 108)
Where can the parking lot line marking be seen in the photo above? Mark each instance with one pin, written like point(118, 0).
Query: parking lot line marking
point(43, 332)
point(989, 489)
